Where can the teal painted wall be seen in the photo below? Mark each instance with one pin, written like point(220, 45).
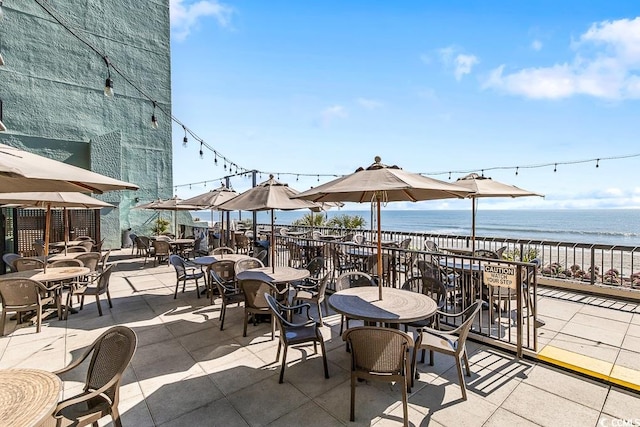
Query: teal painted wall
point(52, 89)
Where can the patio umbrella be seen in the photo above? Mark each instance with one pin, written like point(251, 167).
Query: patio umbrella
point(378, 184)
point(211, 200)
point(483, 186)
point(268, 196)
point(24, 171)
point(48, 200)
point(174, 204)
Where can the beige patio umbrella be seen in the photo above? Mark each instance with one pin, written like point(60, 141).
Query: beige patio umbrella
point(483, 186)
point(211, 200)
point(270, 195)
point(174, 204)
point(24, 171)
point(48, 200)
point(379, 184)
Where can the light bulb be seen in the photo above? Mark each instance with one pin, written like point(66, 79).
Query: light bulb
point(108, 87)
point(154, 121)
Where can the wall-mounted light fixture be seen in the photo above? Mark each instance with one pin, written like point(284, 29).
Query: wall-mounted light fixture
point(2, 126)
point(108, 83)
point(154, 120)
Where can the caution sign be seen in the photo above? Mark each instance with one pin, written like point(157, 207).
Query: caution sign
point(500, 275)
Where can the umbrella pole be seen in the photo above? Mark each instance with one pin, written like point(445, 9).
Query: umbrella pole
point(379, 249)
point(473, 224)
point(46, 235)
point(273, 244)
point(65, 218)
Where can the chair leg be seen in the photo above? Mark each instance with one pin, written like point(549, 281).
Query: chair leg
point(2, 320)
point(115, 415)
point(463, 387)
point(405, 408)
point(175, 294)
point(273, 326)
point(197, 289)
point(324, 359)
point(99, 305)
point(109, 299)
point(246, 320)
point(284, 363)
point(82, 302)
point(466, 362)
point(320, 314)
point(39, 319)
point(278, 351)
point(352, 414)
point(223, 311)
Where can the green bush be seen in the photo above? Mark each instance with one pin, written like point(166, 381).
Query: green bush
point(160, 226)
point(347, 221)
point(311, 219)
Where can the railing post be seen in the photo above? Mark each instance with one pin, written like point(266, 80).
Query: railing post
point(593, 265)
point(519, 311)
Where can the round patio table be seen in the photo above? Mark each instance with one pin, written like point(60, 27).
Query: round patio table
point(211, 259)
point(27, 396)
point(53, 274)
point(279, 274)
point(396, 306)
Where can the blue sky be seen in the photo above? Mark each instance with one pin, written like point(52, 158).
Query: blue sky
point(321, 88)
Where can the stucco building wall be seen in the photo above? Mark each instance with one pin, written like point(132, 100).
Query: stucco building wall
point(52, 91)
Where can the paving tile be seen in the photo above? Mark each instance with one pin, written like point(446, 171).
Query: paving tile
point(217, 413)
point(503, 417)
point(576, 344)
point(548, 409)
point(578, 389)
point(623, 405)
point(595, 333)
point(179, 395)
point(266, 400)
point(308, 415)
point(606, 314)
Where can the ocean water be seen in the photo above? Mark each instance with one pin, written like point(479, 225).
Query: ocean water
point(596, 226)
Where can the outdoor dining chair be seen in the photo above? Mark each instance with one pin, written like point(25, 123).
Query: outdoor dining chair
point(431, 287)
point(28, 263)
point(21, 295)
point(77, 248)
point(315, 293)
point(161, 252)
point(295, 333)
point(9, 260)
point(246, 264)
point(449, 342)
point(222, 250)
point(352, 279)
point(380, 354)
point(84, 288)
point(254, 302)
point(110, 355)
point(498, 294)
point(184, 273)
point(221, 276)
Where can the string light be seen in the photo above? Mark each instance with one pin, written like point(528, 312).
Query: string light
point(597, 163)
point(201, 152)
point(215, 159)
point(185, 140)
point(517, 170)
point(555, 167)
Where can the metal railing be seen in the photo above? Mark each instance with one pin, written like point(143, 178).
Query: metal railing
point(512, 324)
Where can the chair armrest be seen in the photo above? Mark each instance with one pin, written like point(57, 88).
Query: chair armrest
point(87, 396)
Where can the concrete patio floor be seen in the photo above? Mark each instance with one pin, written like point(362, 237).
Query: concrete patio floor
point(188, 372)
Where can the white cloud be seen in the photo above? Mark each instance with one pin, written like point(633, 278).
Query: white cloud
point(369, 104)
point(332, 113)
point(461, 63)
point(536, 45)
point(185, 16)
point(606, 65)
